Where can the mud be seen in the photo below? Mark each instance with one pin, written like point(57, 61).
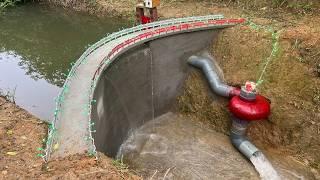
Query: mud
point(21, 134)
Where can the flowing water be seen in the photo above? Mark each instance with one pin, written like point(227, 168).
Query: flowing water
point(264, 167)
point(174, 147)
point(37, 45)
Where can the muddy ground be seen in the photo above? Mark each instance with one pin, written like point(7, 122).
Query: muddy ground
point(292, 82)
point(21, 136)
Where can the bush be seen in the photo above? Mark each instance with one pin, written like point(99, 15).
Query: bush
point(7, 3)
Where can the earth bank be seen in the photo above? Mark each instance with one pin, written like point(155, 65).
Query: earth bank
point(291, 82)
point(22, 136)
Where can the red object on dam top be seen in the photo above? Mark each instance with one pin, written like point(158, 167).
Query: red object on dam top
point(145, 19)
point(250, 110)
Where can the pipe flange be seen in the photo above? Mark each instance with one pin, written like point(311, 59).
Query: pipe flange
point(247, 95)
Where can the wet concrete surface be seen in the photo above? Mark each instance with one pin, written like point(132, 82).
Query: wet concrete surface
point(175, 147)
point(139, 85)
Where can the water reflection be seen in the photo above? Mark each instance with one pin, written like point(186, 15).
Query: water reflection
point(42, 42)
point(37, 96)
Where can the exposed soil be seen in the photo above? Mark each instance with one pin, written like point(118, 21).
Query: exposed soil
point(291, 82)
point(21, 134)
point(176, 8)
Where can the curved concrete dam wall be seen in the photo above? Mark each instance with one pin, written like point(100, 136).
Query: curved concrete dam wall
point(135, 117)
point(141, 85)
point(120, 94)
point(125, 80)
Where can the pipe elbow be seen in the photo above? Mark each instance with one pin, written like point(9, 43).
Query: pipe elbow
point(207, 67)
point(221, 89)
point(196, 62)
point(236, 140)
point(243, 145)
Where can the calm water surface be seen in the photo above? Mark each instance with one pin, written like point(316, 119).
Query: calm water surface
point(37, 45)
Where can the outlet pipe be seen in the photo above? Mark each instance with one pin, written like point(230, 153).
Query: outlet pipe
point(244, 105)
point(239, 140)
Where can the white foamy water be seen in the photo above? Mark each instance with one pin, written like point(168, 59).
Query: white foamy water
point(264, 167)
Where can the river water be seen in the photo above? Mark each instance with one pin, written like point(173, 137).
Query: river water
point(37, 45)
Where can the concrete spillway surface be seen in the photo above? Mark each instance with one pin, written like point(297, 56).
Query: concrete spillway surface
point(135, 96)
point(126, 93)
point(176, 147)
point(142, 84)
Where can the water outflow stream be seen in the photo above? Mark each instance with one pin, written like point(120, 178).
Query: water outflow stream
point(264, 167)
point(37, 45)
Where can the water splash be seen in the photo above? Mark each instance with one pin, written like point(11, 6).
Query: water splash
point(264, 167)
point(275, 46)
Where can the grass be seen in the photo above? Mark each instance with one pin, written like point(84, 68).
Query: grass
point(7, 3)
point(120, 165)
point(316, 96)
point(295, 6)
point(303, 7)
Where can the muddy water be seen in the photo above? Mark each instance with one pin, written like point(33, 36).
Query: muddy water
point(175, 147)
point(37, 45)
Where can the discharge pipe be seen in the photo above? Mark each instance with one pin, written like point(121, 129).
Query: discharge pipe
point(245, 105)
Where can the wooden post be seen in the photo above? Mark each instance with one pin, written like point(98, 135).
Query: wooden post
point(153, 14)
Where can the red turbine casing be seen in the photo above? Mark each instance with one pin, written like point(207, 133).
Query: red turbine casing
point(250, 110)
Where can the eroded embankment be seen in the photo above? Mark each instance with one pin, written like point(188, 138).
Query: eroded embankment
point(291, 82)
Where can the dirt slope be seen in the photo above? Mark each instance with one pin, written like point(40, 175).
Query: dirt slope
point(21, 134)
point(291, 82)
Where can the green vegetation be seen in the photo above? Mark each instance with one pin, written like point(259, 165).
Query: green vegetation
point(7, 3)
point(316, 96)
point(120, 165)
